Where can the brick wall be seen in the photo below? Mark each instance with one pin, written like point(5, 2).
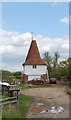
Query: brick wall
point(43, 77)
point(25, 77)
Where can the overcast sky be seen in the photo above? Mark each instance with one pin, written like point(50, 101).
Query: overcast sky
point(48, 21)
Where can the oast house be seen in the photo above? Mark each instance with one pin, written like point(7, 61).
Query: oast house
point(34, 66)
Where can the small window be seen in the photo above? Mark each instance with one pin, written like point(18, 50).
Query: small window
point(34, 66)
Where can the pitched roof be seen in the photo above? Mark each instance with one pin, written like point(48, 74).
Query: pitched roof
point(33, 56)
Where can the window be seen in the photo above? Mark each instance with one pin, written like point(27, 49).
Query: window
point(34, 66)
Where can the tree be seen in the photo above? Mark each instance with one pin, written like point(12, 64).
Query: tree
point(5, 74)
point(64, 65)
point(55, 59)
point(48, 61)
point(55, 69)
point(18, 75)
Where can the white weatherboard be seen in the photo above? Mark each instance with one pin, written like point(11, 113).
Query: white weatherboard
point(40, 70)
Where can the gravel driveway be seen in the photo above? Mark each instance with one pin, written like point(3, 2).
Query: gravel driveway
point(43, 98)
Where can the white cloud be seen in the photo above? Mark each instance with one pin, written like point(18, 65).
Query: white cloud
point(45, 48)
point(14, 47)
point(66, 20)
point(66, 46)
point(14, 38)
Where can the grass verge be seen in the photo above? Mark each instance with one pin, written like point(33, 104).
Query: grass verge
point(27, 86)
point(10, 111)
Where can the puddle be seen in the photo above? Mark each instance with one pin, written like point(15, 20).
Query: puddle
point(53, 109)
point(50, 98)
point(39, 104)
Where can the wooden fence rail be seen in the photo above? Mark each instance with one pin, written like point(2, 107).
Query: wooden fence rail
point(10, 100)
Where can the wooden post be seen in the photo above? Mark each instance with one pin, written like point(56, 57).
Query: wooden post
point(18, 102)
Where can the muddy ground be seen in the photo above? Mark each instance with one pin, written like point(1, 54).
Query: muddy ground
point(42, 98)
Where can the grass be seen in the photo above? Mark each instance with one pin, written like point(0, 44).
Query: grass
point(27, 86)
point(10, 111)
point(5, 94)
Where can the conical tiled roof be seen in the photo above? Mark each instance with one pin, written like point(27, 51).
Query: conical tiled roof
point(33, 56)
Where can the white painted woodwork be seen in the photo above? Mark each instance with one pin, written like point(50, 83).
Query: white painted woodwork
point(34, 72)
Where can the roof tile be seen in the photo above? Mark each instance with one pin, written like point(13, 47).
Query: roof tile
point(33, 56)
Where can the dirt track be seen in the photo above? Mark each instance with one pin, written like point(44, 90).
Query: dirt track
point(51, 96)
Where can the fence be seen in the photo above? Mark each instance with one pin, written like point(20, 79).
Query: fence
point(11, 100)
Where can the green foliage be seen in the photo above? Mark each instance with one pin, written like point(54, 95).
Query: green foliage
point(9, 76)
point(55, 69)
point(5, 74)
point(5, 95)
point(55, 59)
point(55, 73)
point(64, 65)
point(18, 75)
point(27, 86)
point(48, 60)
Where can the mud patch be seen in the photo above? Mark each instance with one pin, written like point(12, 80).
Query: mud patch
point(35, 110)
